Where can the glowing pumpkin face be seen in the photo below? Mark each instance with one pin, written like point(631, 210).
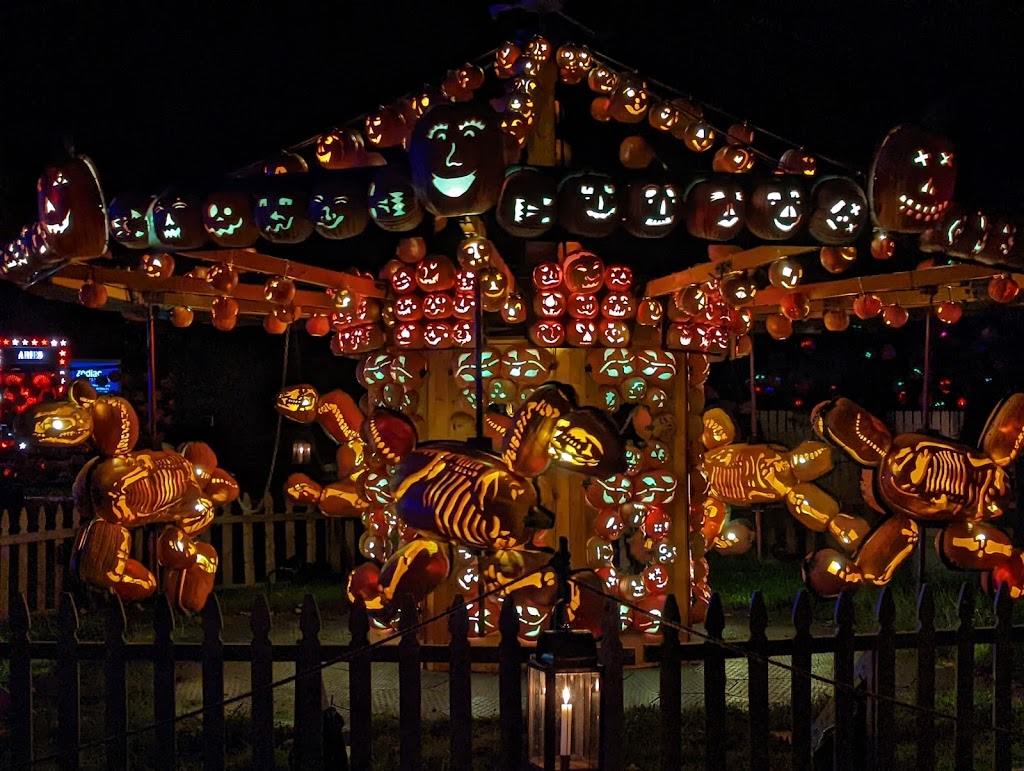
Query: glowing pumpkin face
point(618, 305)
point(393, 204)
point(177, 221)
point(629, 101)
point(72, 213)
point(435, 274)
point(228, 219)
point(618, 278)
point(548, 333)
point(613, 333)
point(437, 305)
point(338, 208)
point(457, 157)
point(652, 209)
point(408, 308)
point(581, 333)
point(438, 334)
point(586, 440)
point(911, 180)
point(127, 217)
point(282, 216)
point(839, 210)
point(526, 204)
point(776, 210)
point(340, 149)
point(547, 275)
point(656, 365)
point(715, 209)
point(299, 403)
point(549, 305)
point(583, 306)
point(583, 272)
point(588, 204)
point(61, 425)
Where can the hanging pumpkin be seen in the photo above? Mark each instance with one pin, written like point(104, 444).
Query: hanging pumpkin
point(392, 201)
point(949, 312)
point(837, 259)
point(839, 210)
point(602, 79)
point(157, 266)
point(911, 179)
point(733, 159)
point(776, 209)
point(385, 127)
point(652, 208)
point(279, 290)
point(223, 277)
point(338, 207)
point(778, 326)
point(795, 306)
point(504, 59)
point(698, 136)
point(457, 158)
point(664, 116)
point(715, 209)
point(182, 317)
point(282, 213)
point(895, 316)
point(588, 204)
point(629, 100)
point(1002, 289)
point(785, 273)
point(738, 289)
point(72, 213)
point(177, 221)
point(599, 107)
point(836, 320)
point(797, 161)
point(127, 218)
point(526, 203)
point(92, 295)
point(274, 325)
point(635, 153)
point(228, 219)
point(284, 162)
point(882, 245)
point(867, 305)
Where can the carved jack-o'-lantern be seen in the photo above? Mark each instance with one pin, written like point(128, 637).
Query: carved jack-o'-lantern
point(583, 305)
point(583, 272)
point(340, 149)
point(526, 204)
point(457, 158)
point(618, 278)
point(298, 403)
point(581, 333)
point(115, 426)
point(629, 101)
point(61, 425)
point(526, 366)
point(408, 307)
point(549, 304)
point(392, 201)
point(385, 127)
point(776, 209)
point(157, 266)
point(127, 218)
point(715, 209)
point(618, 305)
point(177, 221)
point(285, 162)
point(228, 219)
point(548, 333)
point(338, 208)
point(839, 210)
point(547, 275)
point(911, 179)
point(435, 274)
point(72, 213)
point(588, 204)
point(652, 209)
point(281, 214)
point(436, 305)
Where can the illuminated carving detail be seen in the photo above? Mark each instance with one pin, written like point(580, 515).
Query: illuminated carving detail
point(911, 180)
point(652, 209)
point(393, 204)
point(838, 211)
point(297, 402)
point(177, 221)
point(338, 208)
point(71, 210)
point(715, 210)
point(526, 204)
point(919, 478)
point(776, 210)
point(281, 213)
point(127, 217)
point(588, 204)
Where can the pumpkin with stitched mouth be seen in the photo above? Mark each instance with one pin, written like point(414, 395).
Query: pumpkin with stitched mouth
point(177, 220)
point(911, 180)
point(457, 158)
point(393, 203)
point(588, 204)
point(72, 212)
point(127, 218)
point(338, 208)
point(228, 219)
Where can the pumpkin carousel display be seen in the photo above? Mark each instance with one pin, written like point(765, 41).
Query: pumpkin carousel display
point(534, 334)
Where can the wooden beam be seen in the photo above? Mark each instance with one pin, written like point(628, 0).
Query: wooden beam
point(741, 260)
point(885, 283)
point(252, 261)
point(193, 292)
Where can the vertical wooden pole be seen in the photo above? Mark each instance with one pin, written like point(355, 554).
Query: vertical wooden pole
point(925, 679)
point(680, 506)
point(714, 686)
point(757, 683)
point(69, 682)
point(964, 746)
point(163, 686)
point(151, 389)
point(213, 686)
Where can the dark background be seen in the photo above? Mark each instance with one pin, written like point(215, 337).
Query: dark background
point(181, 91)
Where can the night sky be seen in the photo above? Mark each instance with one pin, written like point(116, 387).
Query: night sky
point(179, 92)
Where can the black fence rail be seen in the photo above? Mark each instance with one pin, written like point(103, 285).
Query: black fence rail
point(864, 690)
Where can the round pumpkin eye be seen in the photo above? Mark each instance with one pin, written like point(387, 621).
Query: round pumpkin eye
point(609, 189)
point(586, 190)
point(212, 210)
point(227, 211)
point(670, 192)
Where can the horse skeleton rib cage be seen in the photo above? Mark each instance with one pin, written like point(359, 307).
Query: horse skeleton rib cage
point(123, 489)
point(923, 479)
point(448, 499)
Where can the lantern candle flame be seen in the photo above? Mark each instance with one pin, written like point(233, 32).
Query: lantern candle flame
point(566, 743)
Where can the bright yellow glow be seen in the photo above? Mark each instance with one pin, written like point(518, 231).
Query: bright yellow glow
point(565, 695)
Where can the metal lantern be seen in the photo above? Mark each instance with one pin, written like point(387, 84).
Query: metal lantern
point(302, 451)
point(564, 702)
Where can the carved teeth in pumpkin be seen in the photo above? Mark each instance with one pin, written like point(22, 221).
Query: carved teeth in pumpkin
point(228, 229)
point(919, 211)
point(454, 187)
point(658, 221)
point(600, 215)
point(58, 227)
point(171, 233)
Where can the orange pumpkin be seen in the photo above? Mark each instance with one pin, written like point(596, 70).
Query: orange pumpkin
point(867, 305)
point(318, 325)
point(795, 306)
point(1003, 289)
point(115, 426)
point(949, 312)
point(895, 316)
point(836, 320)
point(836, 259)
point(181, 316)
point(92, 295)
point(778, 326)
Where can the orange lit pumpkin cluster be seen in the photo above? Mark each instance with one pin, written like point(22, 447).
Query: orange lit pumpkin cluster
point(702, 319)
point(529, 72)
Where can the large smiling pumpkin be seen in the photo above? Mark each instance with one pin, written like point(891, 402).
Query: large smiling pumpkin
point(911, 180)
point(338, 207)
point(71, 209)
point(776, 209)
point(457, 157)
